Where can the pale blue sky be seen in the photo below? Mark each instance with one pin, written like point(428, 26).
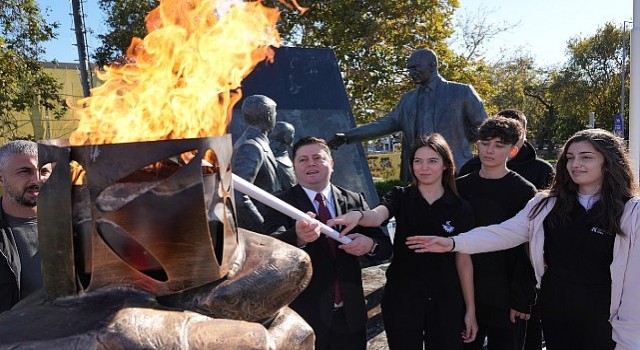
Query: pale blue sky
point(545, 25)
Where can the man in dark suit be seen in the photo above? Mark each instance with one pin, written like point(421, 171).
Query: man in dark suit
point(333, 303)
point(453, 110)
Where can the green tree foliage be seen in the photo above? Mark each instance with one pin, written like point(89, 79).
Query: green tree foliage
point(591, 79)
point(511, 79)
point(125, 18)
point(372, 41)
point(558, 100)
point(24, 85)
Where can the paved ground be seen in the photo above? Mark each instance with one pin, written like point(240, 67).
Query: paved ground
point(373, 280)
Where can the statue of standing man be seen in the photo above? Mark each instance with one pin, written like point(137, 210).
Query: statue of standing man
point(281, 140)
point(451, 109)
point(253, 159)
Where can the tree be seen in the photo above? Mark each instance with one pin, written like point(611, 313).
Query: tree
point(592, 75)
point(372, 41)
point(475, 30)
point(519, 83)
point(126, 20)
point(24, 85)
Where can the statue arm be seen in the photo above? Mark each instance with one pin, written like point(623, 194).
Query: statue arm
point(382, 127)
point(474, 113)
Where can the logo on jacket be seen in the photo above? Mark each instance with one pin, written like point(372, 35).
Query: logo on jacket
point(447, 227)
point(599, 231)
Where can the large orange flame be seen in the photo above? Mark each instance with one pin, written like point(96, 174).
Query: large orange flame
point(182, 79)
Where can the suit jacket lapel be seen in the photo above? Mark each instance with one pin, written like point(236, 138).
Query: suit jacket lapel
point(302, 200)
point(339, 201)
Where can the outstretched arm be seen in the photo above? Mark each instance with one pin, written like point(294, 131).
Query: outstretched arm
point(367, 218)
point(626, 321)
point(431, 244)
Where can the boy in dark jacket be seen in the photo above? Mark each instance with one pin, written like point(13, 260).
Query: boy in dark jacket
point(503, 281)
point(540, 173)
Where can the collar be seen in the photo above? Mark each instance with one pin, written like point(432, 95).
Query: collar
point(325, 191)
point(447, 198)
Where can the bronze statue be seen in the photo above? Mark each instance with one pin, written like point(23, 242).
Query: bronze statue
point(253, 159)
point(452, 109)
point(281, 141)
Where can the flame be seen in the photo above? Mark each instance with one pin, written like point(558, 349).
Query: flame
point(183, 78)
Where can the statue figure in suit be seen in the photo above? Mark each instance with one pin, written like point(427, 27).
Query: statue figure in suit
point(451, 109)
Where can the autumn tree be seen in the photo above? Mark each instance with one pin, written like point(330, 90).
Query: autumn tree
point(591, 78)
point(24, 85)
point(372, 41)
point(125, 18)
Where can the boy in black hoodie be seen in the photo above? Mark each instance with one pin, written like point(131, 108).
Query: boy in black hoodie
point(540, 173)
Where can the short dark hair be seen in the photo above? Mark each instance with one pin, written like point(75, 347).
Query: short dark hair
point(514, 114)
point(310, 140)
point(507, 130)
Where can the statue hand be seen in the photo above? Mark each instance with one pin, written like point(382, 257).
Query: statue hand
point(337, 140)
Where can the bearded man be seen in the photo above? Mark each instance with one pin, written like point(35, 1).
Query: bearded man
point(20, 178)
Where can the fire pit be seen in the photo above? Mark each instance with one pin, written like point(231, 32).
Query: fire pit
point(138, 214)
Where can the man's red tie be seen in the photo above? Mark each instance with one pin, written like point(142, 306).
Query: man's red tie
point(324, 215)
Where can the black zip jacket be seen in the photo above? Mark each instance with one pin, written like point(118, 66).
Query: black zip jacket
point(9, 266)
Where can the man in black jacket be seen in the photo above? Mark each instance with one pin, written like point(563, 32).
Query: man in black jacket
point(20, 177)
point(333, 304)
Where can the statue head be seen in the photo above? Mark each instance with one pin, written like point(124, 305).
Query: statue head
point(260, 112)
point(422, 65)
point(282, 136)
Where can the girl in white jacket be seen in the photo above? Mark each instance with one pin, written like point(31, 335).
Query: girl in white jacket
point(582, 235)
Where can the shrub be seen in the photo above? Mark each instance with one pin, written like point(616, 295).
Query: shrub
point(382, 187)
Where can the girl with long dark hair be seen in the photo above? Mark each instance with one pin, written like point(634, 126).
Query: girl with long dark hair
point(428, 299)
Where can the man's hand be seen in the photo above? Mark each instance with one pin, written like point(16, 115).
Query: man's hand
point(337, 140)
point(308, 231)
point(360, 244)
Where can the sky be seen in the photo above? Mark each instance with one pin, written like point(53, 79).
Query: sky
point(543, 26)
